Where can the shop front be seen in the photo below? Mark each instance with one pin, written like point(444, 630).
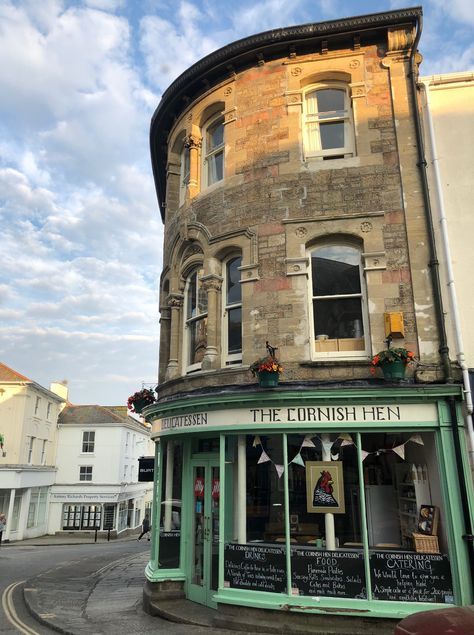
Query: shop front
point(336, 500)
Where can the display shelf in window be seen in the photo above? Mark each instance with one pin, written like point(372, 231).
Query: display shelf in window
point(413, 491)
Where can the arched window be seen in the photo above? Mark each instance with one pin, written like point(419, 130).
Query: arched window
point(214, 151)
point(328, 132)
point(184, 173)
point(338, 301)
point(195, 311)
point(232, 327)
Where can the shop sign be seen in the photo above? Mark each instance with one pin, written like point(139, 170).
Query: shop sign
point(293, 415)
point(146, 469)
point(79, 497)
point(199, 487)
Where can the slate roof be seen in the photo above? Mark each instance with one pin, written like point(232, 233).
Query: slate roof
point(94, 414)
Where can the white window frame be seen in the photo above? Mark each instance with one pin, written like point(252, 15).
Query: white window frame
point(37, 404)
point(191, 367)
point(43, 452)
point(48, 410)
point(359, 354)
point(30, 450)
point(345, 116)
point(210, 154)
point(229, 358)
point(88, 441)
point(84, 473)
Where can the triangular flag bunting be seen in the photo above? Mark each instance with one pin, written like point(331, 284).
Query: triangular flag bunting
point(364, 455)
point(256, 441)
point(263, 457)
point(298, 460)
point(334, 457)
point(280, 469)
point(345, 436)
point(400, 450)
point(416, 438)
point(307, 443)
point(345, 442)
point(327, 445)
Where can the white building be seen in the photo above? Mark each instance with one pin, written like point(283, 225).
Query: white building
point(448, 118)
point(28, 428)
point(97, 479)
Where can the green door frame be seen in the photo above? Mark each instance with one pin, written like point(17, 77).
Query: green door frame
point(202, 593)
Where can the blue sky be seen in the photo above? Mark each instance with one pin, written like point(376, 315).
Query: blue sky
point(81, 239)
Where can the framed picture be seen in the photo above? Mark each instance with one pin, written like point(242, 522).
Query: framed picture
point(428, 521)
point(324, 487)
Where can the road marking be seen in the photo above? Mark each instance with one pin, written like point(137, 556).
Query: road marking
point(11, 614)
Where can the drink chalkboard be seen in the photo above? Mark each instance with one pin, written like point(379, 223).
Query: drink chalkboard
point(169, 549)
point(411, 577)
point(328, 573)
point(255, 567)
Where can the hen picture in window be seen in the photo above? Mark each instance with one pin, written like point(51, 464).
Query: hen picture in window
point(324, 487)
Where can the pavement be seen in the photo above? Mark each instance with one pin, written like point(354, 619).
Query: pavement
point(93, 596)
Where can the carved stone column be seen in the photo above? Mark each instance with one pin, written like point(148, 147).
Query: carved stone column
point(175, 302)
point(212, 284)
point(165, 333)
point(193, 142)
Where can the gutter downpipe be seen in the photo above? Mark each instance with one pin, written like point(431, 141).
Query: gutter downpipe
point(434, 268)
point(449, 273)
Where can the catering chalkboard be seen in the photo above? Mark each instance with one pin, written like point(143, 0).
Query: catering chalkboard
point(411, 577)
point(255, 567)
point(338, 574)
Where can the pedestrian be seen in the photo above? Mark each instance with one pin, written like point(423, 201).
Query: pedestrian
point(3, 524)
point(145, 527)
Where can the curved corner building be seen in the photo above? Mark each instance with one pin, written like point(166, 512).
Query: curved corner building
point(295, 214)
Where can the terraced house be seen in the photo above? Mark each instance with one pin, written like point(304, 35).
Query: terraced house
point(289, 174)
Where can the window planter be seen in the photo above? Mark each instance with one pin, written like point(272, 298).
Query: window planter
point(394, 370)
point(268, 379)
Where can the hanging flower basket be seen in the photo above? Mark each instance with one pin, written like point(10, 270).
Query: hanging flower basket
point(267, 370)
point(393, 363)
point(140, 400)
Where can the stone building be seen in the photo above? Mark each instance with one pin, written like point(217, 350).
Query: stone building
point(287, 172)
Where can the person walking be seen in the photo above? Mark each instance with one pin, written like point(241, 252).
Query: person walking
point(145, 527)
point(3, 524)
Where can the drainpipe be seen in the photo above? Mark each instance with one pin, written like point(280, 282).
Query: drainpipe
point(438, 192)
point(434, 263)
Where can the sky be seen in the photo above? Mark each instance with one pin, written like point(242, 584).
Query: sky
point(81, 234)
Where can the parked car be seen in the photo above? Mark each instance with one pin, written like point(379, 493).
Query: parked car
point(450, 621)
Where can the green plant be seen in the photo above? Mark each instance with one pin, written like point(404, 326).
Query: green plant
point(269, 364)
point(390, 355)
point(141, 398)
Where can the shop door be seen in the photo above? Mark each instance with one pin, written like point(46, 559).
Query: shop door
point(204, 545)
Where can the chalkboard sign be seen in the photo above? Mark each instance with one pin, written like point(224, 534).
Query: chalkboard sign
point(337, 574)
point(169, 549)
point(411, 577)
point(255, 567)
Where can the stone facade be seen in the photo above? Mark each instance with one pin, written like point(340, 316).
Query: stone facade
point(274, 204)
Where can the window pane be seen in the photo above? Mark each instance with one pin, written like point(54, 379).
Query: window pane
point(215, 168)
point(330, 99)
point(192, 294)
point(340, 318)
point(197, 340)
point(332, 135)
point(335, 270)
point(170, 512)
point(215, 135)
point(234, 332)
point(234, 294)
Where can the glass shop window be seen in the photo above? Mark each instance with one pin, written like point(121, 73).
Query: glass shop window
point(326, 555)
point(406, 520)
point(170, 512)
point(255, 531)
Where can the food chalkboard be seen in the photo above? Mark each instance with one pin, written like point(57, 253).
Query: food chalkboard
point(255, 567)
point(338, 574)
point(411, 577)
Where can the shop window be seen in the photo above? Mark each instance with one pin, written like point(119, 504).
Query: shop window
point(214, 151)
point(170, 512)
point(82, 517)
point(328, 128)
point(85, 473)
point(232, 311)
point(88, 441)
point(196, 321)
point(338, 301)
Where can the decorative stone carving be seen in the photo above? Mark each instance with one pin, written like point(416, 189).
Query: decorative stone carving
point(193, 141)
point(366, 227)
point(400, 38)
point(354, 64)
point(175, 301)
point(228, 91)
point(295, 71)
point(301, 232)
point(211, 283)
